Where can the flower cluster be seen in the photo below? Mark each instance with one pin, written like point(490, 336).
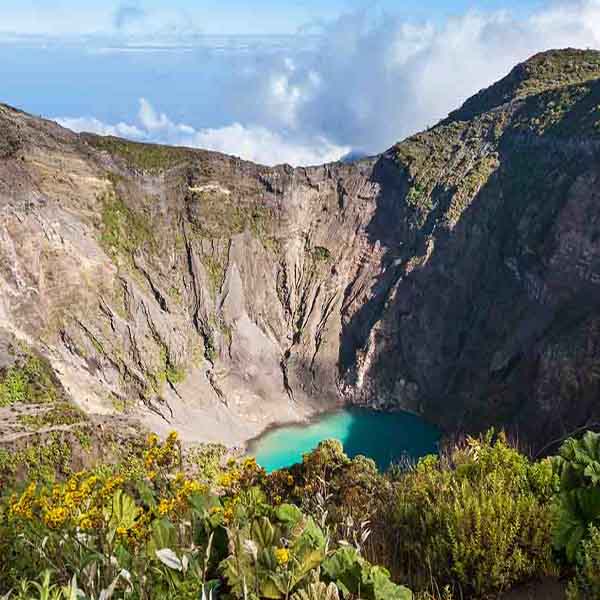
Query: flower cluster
point(161, 456)
point(240, 475)
point(77, 502)
point(280, 484)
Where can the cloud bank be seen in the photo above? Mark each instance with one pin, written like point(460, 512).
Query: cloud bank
point(254, 143)
point(370, 81)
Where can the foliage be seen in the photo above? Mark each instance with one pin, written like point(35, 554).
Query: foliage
point(29, 380)
point(354, 575)
point(340, 493)
point(151, 158)
point(217, 214)
point(148, 530)
point(477, 518)
point(204, 461)
point(59, 414)
point(39, 461)
point(97, 524)
point(586, 585)
point(320, 254)
point(470, 523)
point(273, 556)
point(124, 230)
point(577, 507)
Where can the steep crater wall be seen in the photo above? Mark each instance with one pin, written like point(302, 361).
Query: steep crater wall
point(456, 275)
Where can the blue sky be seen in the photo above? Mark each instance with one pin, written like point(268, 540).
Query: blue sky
point(301, 81)
point(220, 16)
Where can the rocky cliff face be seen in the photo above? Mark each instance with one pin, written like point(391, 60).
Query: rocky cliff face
point(457, 275)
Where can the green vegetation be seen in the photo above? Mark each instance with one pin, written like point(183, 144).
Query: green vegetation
point(217, 214)
point(320, 254)
point(542, 73)
point(39, 461)
point(476, 521)
point(167, 372)
point(578, 505)
point(123, 230)
point(150, 158)
point(204, 461)
point(29, 380)
point(470, 184)
point(62, 413)
point(145, 529)
point(416, 194)
point(558, 68)
point(480, 515)
point(587, 581)
point(577, 513)
point(215, 271)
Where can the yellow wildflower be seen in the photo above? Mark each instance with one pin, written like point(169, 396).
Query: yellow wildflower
point(113, 483)
point(164, 507)
point(55, 517)
point(225, 480)
point(23, 507)
point(282, 556)
point(191, 487)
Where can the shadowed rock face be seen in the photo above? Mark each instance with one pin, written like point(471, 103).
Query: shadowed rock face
point(456, 275)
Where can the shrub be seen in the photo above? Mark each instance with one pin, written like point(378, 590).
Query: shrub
point(586, 585)
point(342, 494)
point(477, 519)
point(29, 380)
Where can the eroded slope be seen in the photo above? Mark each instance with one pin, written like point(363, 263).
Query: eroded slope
point(455, 275)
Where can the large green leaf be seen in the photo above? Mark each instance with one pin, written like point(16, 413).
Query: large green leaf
point(578, 463)
point(121, 512)
point(317, 591)
point(263, 532)
point(344, 569)
point(575, 512)
point(353, 575)
point(164, 535)
point(289, 514)
point(378, 586)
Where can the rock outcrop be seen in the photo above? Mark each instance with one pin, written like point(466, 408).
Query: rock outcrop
point(456, 275)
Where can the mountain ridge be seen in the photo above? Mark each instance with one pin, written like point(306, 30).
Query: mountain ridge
point(454, 275)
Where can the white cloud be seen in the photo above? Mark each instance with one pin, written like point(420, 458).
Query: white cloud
point(375, 80)
point(370, 81)
point(254, 143)
point(93, 125)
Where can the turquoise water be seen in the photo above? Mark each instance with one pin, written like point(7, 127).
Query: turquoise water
point(384, 437)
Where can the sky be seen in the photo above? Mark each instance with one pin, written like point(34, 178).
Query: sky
point(217, 17)
point(297, 81)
